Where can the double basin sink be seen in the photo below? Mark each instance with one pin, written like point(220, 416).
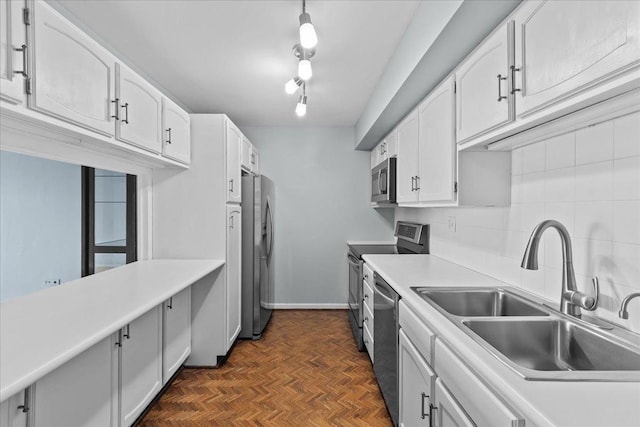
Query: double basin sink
point(536, 341)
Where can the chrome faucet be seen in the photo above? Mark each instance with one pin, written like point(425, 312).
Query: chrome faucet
point(571, 300)
point(623, 313)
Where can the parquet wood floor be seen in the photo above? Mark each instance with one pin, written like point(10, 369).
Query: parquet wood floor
point(305, 371)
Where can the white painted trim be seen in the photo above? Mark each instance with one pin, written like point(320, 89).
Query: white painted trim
point(308, 306)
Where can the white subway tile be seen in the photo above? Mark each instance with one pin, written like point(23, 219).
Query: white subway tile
point(533, 187)
point(511, 271)
point(533, 158)
point(627, 136)
point(516, 162)
point(594, 220)
point(594, 182)
point(594, 144)
point(553, 285)
point(626, 268)
point(626, 221)
point(514, 244)
point(533, 281)
point(564, 213)
point(532, 215)
point(561, 151)
point(516, 189)
point(560, 185)
point(593, 258)
point(626, 178)
point(512, 219)
point(552, 250)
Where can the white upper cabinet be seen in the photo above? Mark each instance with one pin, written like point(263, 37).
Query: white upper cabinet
point(563, 47)
point(234, 144)
point(141, 364)
point(483, 100)
point(408, 166)
point(13, 59)
point(249, 156)
point(385, 149)
point(176, 128)
point(254, 160)
point(139, 118)
point(73, 76)
point(437, 145)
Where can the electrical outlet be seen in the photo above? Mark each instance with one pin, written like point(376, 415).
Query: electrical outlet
point(451, 221)
point(53, 282)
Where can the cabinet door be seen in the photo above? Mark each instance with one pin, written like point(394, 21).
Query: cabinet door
point(447, 411)
point(140, 111)
point(73, 76)
point(82, 392)
point(392, 144)
point(254, 160)
point(176, 126)
point(416, 385)
point(12, 37)
point(483, 101)
point(563, 47)
point(408, 161)
point(234, 273)
point(234, 141)
point(245, 155)
point(140, 364)
point(437, 145)
point(12, 410)
point(176, 333)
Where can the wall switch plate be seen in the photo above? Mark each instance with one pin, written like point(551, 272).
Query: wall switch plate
point(451, 222)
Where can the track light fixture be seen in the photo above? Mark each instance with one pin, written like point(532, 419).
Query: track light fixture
point(304, 51)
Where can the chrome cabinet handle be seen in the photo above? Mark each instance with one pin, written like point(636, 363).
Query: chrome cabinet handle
point(413, 186)
point(432, 409)
point(170, 304)
point(22, 49)
point(231, 185)
point(422, 414)
point(169, 132)
point(513, 80)
point(231, 221)
point(25, 406)
point(116, 110)
point(417, 183)
point(500, 96)
point(119, 342)
point(128, 334)
point(126, 113)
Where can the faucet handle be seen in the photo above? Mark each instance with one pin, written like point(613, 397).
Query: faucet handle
point(582, 300)
point(596, 291)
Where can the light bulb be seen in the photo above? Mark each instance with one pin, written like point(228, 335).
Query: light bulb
point(304, 69)
point(308, 37)
point(301, 108)
point(292, 85)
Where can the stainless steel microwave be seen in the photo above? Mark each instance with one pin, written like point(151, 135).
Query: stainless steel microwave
point(383, 182)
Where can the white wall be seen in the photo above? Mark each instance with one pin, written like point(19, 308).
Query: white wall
point(322, 200)
point(589, 180)
point(40, 209)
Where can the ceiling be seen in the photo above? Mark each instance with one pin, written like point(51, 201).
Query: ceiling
point(235, 56)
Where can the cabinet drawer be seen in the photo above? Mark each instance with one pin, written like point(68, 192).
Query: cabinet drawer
point(482, 405)
point(419, 334)
point(368, 318)
point(368, 341)
point(367, 296)
point(367, 275)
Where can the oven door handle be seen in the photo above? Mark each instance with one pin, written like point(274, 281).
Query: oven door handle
point(379, 291)
point(353, 260)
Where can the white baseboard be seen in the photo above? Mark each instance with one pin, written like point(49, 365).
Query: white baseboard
point(308, 306)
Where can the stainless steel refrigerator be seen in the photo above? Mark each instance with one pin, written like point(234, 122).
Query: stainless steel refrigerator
point(257, 254)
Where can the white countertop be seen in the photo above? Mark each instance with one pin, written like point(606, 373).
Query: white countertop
point(542, 403)
point(41, 331)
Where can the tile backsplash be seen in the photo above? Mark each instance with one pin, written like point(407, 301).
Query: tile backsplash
point(589, 180)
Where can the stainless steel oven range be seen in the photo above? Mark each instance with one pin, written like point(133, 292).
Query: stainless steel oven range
point(412, 238)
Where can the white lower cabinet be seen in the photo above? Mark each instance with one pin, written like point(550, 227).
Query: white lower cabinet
point(140, 364)
point(416, 385)
point(176, 333)
point(449, 395)
point(447, 412)
point(14, 411)
point(82, 392)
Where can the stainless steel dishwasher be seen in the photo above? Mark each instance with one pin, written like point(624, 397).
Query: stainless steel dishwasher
point(385, 330)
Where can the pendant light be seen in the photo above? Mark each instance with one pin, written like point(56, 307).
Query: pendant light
point(304, 69)
point(292, 85)
point(301, 108)
point(308, 37)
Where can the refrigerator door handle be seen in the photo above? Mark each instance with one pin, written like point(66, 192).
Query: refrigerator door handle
point(269, 231)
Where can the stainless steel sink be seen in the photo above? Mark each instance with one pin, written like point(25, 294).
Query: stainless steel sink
point(554, 345)
point(534, 340)
point(473, 302)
